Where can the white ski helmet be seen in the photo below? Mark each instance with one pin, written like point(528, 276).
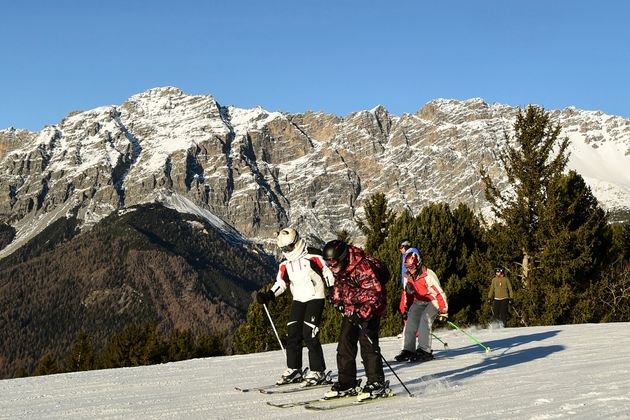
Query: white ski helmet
point(286, 239)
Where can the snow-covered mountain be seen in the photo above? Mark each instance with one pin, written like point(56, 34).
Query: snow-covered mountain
point(567, 371)
point(259, 170)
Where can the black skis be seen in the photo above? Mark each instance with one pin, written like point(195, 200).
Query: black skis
point(268, 387)
point(307, 402)
point(331, 405)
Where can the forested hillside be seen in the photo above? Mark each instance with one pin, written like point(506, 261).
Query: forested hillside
point(148, 265)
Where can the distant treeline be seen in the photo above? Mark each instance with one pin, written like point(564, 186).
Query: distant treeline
point(134, 346)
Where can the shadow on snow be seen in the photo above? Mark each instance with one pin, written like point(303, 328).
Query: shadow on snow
point(501, 356)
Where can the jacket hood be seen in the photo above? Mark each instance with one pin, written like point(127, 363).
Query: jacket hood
point(298, 251)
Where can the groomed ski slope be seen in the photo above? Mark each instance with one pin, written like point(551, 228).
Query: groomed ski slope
point(568, 371)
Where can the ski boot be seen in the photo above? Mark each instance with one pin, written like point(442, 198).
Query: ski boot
point(375, 390)
point(404, 356)
point(422, 356)
point(339, 390)
point(290, 376)
point(316, 378)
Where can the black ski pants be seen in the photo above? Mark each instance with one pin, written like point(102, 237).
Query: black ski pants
point(349, 337)
point(500, 310)
point(303, 327)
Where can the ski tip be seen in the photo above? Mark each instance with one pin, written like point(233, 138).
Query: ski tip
point(487, 349)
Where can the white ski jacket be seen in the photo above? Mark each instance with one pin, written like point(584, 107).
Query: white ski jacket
point(304, 273)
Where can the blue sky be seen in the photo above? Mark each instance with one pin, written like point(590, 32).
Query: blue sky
point(333, 56)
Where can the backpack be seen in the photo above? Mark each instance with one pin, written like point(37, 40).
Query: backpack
point(382, 273)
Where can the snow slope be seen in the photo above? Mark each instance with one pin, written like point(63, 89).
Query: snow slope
point(568, 371)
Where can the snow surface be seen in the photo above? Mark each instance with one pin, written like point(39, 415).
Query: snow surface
point(568, 371)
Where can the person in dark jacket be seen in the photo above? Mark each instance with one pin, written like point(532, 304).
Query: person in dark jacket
point(500, 295)
point(359, 295)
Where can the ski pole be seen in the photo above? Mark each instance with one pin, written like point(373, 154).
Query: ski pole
point(274, 329)
point(469, 336)
point(519, 316)
point(438, 339)
point(384, 360)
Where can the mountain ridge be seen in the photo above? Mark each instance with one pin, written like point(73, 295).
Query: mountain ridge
point(258, 170)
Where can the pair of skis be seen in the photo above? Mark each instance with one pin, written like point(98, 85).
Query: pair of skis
point(318, 404)
point(321, 404)
point(285, 388)
point(332, 403)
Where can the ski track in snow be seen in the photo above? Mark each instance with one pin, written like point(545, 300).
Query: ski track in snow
point(568, 371)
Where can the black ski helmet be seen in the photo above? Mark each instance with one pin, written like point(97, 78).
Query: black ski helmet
point(336, 254)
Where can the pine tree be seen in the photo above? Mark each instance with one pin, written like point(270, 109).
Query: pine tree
point(377, 220)
point(47, 365)
point(344, 235)
point(209, 346)
point(82, 355)
point(532, 160)
point(181, 346)
point(552, 226)
point(574, 235)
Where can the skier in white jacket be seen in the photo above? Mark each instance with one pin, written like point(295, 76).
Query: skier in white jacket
point(303, 272)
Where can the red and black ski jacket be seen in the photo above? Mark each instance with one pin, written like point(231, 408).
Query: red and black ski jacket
point(357, 286)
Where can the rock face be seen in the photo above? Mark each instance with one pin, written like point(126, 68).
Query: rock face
point(260, 170)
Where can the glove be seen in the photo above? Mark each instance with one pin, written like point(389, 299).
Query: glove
point(328, 294)
point(489, 300)
point(355, 319)
point(405, 315)
point(442, 317)
point(265, 297)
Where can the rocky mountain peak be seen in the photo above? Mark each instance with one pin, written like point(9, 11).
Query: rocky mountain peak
point(259, 170)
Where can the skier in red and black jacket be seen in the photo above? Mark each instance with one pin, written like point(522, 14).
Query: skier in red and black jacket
point(360, 296)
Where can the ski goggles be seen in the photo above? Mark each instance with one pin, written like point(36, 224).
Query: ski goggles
point(331, 263)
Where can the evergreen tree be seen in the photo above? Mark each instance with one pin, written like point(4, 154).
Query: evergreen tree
point(344, 235)
point(437, 240)
point(209, 346)
point(82, 355)
point(553, 226)
point(128, 347)
point(377, 220)
point(47, 365)
point(181, 346)
point(532, 161)
point(574, 235)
